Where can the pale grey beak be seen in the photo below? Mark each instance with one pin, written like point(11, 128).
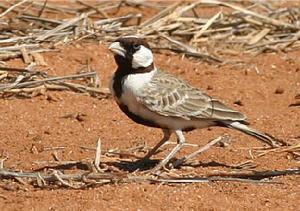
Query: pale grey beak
point(117, 49)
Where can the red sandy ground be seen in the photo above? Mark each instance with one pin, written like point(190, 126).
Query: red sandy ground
point(38, 122)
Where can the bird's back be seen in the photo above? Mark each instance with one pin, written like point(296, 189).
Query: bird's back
point(169, 96)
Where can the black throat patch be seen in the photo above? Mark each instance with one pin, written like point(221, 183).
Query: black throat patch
point(131, 45)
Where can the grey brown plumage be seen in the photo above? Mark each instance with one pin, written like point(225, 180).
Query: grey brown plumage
point(172, 97)
point(154, 98)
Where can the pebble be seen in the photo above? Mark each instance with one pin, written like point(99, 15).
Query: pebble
point(209, 87)
point(238, 102)
point(279, 90)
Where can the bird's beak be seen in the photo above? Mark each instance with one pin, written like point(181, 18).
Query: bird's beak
point(117, 49)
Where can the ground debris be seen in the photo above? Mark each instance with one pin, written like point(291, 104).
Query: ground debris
point(251, 28)
point(17, 82)
point(88, 173)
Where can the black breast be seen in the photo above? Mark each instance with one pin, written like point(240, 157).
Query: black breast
point(117, 84)
point(118, 89)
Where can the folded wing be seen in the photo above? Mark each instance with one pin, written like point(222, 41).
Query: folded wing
point(169, 96)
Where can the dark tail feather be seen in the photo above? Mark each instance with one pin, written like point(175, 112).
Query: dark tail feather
point(249, 131)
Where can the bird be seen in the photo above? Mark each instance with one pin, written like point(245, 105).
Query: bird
point(154, 98)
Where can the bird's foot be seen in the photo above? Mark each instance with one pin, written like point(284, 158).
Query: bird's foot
point(179, 162)
point(158, 170)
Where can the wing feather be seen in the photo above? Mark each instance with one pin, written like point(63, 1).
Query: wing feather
point(170, 96)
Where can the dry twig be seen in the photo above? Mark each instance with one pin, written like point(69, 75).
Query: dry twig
point(98, 155)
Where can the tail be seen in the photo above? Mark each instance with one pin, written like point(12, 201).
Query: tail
point(271, 141)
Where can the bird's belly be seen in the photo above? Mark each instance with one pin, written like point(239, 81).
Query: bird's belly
point(142, 115)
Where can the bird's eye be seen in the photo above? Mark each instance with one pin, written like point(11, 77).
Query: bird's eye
point(136, 47)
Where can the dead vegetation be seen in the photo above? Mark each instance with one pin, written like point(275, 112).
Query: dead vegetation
point(91, 172)
point(252, 28)
point(29, 83)
point(249, 28)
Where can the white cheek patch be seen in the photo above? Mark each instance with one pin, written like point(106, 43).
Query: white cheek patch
point(142, 58)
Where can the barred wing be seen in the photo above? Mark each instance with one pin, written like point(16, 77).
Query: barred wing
point(169, 96)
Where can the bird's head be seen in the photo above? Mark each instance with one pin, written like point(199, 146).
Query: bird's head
point(132, 53)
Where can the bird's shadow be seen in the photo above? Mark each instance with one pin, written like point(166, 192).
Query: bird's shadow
point(145, 165)
point(207, 164)
point(137, 165)
point(77, 165)
point(131, 166)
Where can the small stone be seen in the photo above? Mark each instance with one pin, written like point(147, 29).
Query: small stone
point(47, 132)
point(279, 90)
point(209, 87)
point(238, 102)
point(222, 144)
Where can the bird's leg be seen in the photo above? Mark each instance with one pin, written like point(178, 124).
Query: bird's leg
point(180, 142)
point(200, 150)
point(167, 134)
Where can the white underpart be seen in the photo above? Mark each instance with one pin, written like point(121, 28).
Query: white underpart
point(142, 58)
point(133, 84)
point(132, 87)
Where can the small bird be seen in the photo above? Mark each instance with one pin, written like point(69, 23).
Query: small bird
point(157, 99)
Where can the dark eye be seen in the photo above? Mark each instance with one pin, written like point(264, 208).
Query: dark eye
point(136, 47)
